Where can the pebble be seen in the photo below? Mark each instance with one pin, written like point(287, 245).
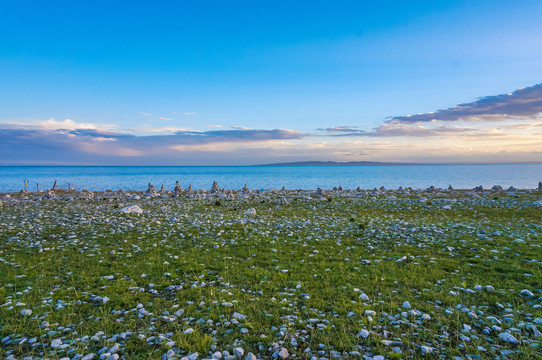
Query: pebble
point(283, 353)
point(250, 356)
point(426, 350)
point(238, 352)
point(509, 338)
point(250, 212)
point(56, 343)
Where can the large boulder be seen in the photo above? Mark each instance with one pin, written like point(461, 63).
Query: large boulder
point(131, 209)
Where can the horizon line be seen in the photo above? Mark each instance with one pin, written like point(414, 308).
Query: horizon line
point(292, 164)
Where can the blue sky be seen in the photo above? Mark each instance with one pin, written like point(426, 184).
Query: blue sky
point(239, 82)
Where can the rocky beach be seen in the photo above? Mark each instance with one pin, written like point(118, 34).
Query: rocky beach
point(178, 273)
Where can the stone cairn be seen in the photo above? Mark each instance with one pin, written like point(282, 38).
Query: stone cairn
point(162, 189)
point(86, 194)
point(178, 190)
point(214, 188)
point(50, 194)
point(320, 191)
point(539, 186)
point(245, 189)
point(189, 189)
point(283, 201)
point(151, 191)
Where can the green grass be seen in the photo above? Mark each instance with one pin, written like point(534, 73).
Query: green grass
point(392, 250)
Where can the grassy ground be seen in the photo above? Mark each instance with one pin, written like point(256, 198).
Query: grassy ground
point(308, 276)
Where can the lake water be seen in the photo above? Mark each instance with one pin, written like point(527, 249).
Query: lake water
point(267, 177)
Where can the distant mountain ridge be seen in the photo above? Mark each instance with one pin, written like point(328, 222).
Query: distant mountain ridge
point(328, 163)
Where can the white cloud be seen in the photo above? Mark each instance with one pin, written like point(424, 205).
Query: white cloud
point(69, 124)
point(159, 129)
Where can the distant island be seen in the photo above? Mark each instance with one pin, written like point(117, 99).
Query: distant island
point(328, 163)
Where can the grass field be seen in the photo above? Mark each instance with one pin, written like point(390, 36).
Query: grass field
point(348, 275)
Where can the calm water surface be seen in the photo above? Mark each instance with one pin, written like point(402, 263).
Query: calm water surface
point(267, 177)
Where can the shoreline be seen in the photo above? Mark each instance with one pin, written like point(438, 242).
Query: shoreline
point(178, 191)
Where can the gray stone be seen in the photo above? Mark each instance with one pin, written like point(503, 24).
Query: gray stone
point(250, 212)
point(509, 338)
point(132, 209)
point(250, 356)
point(238, 352)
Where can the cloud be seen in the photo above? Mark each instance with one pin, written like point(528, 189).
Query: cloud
point(70, 142)
point(158, 129)
point(524, 126)
point(68, 124)
point(242, 134)
point(190, 113)
point(64, 125)
point(96, 133)
point(143, 114)
point(391, 130)
point(343, 130)
point(165, 118)
point(395, 130)
point(525, 103)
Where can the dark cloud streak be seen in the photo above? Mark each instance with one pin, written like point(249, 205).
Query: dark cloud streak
point(522, 103)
